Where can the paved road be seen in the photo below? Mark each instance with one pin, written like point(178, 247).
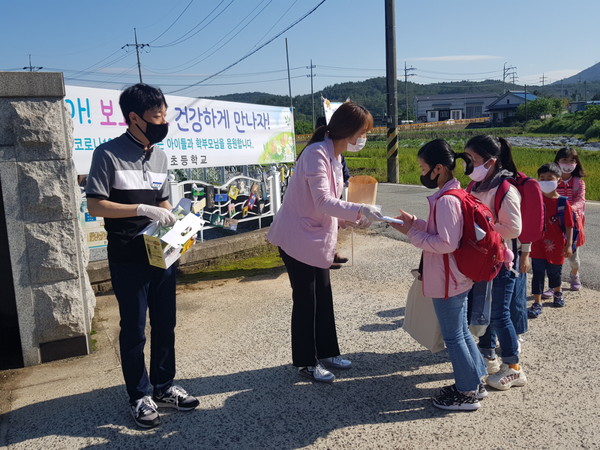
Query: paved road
point(413, 199)
point(233, 352)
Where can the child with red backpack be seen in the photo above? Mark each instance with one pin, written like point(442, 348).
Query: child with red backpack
point(572, 186)
point(493, 163)
point(440, 237)
point(548, 254)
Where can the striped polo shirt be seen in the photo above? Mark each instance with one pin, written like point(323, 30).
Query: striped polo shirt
point(123, 172)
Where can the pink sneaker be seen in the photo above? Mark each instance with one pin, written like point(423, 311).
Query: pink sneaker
point(575, 282)
point(548, 294)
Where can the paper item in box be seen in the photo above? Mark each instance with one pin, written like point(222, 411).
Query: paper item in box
point(183, 230)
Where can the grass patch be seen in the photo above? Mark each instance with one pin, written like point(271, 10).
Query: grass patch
point(373, 161)
point(267, 263)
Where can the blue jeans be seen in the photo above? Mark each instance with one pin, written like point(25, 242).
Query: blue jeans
point(141, 288)
point(540, 268)
point(500, 324)
point(518, 305)
point(467, 363)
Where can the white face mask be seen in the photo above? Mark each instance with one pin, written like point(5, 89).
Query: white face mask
point(568, 168)
point(480, 172)
point(548, 186)
point(360, 143)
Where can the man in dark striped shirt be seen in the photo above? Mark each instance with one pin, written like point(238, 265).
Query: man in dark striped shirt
point(127, 185)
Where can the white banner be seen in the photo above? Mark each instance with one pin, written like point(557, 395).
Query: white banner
point(330, 107)
point(202, 133)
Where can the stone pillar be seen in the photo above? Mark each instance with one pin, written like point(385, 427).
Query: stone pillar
point(54, 300)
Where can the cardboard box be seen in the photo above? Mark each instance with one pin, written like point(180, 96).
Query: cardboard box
point(165, 250)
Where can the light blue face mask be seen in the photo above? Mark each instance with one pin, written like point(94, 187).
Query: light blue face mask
point(480, 172)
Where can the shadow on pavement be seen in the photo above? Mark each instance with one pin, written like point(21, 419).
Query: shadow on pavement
point(269, 407)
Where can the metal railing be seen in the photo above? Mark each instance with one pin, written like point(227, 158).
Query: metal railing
point(240, 199)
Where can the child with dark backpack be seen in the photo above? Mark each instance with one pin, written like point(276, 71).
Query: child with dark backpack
point(450, 228)
point(572, 186)
point(493, 164)
point(548, 254)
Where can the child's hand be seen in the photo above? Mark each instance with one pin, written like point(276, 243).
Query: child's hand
point(568, 250)
point(408, 220)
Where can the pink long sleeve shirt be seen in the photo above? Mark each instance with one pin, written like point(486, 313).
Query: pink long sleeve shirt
point(306, 226)
point(437, 237)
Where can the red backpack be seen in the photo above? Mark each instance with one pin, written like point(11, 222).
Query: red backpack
point(478, 259)
point(532, 205)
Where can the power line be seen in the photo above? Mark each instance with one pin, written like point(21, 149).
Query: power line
point(137, 52)
point(183, 38)
point(255, 50)
point(174, 22)
point(32, 68)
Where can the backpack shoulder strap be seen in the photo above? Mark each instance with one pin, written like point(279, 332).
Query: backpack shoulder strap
point(503, 188)
point(460, 194)
point(560, 211)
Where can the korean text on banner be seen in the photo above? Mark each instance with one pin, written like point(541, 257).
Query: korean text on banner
point(202, 133)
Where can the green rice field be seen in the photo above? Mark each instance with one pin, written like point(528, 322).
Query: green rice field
point(372, 161)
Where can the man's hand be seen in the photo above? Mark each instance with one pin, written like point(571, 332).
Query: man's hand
point(163, 216)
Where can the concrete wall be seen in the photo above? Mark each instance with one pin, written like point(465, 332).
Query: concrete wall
point(55, 303)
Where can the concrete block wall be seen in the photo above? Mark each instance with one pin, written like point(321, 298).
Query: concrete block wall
point(48, 256)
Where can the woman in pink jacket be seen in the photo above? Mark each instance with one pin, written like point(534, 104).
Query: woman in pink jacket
point(305, 230)
point(437, 236)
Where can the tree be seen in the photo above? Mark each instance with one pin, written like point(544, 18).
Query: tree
point(539, 108)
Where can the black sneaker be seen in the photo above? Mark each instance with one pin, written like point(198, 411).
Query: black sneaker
point(144, 412)
point(480, 394)
point(450, 399)
point(559, 300)
point(176, 397)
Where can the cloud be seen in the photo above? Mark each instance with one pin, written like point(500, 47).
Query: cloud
point(455, 58)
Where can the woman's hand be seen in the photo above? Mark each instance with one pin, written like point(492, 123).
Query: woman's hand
point(408, 220)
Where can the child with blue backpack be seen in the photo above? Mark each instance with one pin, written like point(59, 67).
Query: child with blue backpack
point(548, 254)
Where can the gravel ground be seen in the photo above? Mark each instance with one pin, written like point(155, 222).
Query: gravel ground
point(234, 353)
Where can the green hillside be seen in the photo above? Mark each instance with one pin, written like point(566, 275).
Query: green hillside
point(372, 94)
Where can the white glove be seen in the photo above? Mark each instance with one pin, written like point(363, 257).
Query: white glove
point(163, 216)
point(363, 222)
point(371, 212)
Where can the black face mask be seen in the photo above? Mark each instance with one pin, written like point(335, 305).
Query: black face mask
point(428, 182)
point(155, 133)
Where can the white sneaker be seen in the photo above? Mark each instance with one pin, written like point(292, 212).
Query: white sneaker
point(317, 373)
point(492, 365)
point(337, 362)
point(506, 378)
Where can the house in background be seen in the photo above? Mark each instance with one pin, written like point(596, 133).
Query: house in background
point(434, 108)
point(505, 107)
point(580, 106)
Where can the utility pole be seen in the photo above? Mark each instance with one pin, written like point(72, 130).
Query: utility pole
point(287, 57)
point(406, 75)
point(525, 103)
point(32, 68)
point(585, 91)
point(543, 79)
point(392, 92)
point(137, 51)
point(312, 93)
point(506, 72)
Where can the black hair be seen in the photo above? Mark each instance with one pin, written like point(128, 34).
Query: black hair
point(349, 118)
point(569, 152)
point(140, 98)
point(439, 151)
point(321, 121)
point(550, 167)
point(492, 147)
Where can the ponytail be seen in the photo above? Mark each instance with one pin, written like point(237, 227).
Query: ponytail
point(468, 161)
point(506, 159)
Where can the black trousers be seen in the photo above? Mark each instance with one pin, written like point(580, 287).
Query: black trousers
point(313, 322)
point(141, 288)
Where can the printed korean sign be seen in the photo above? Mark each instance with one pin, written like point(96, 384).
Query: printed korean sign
point(202, 133)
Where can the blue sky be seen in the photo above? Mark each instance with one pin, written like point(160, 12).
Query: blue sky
point(192, 40)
